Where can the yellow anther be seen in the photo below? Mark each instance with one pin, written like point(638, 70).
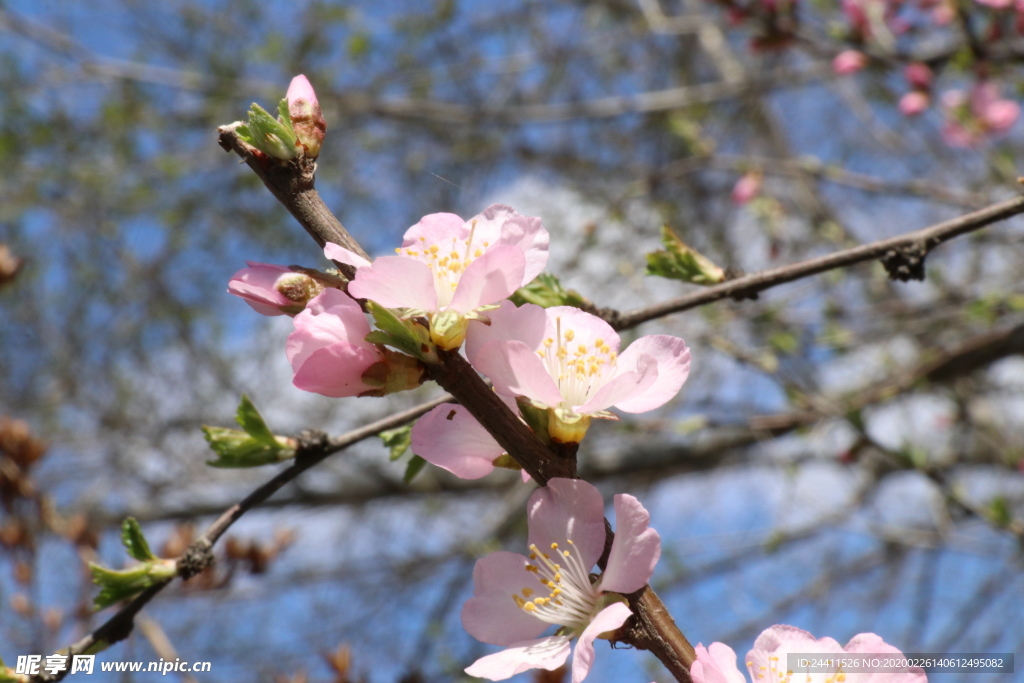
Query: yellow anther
point(566, 553)
point(581, 348)
point(478, 253)
point(529, 607)
point(423, 239)
point(749, 663)
point(569, 335)
point(487, 244)
point(554, 546)
point(571, 543)
point(527, 592)
point(454, 255)
point(548, 342)
point(540, 601)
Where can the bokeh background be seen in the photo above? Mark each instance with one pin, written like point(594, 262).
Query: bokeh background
point(812, 472)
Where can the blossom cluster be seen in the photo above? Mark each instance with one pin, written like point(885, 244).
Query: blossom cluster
point(445, 290)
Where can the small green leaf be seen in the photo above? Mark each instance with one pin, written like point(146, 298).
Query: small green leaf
point(283, 115)
point(784, 341)
point(134, 542)
point(679, 261)
point(416, 463)
point(546, 291)
point(249, 419)
point(121, 585)
point(235, 448)
point(999, 512)
point(270, 135)
point(398, 440)
point(408, 337)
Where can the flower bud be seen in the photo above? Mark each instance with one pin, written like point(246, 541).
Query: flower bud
point(307, 119)
point(848, 62)
point(273, 290)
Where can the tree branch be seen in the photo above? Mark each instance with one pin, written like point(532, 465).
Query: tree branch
point(914, 245)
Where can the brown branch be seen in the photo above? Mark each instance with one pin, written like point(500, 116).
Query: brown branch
point(291, 183)
point(913, 245)
point(313, 449)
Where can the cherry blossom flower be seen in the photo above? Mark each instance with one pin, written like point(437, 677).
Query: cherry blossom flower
point(767, 661)
point(568, 361)
point(307, 119)
point(973, 117)
point(450, 270)
point(329, 354)
point(273, 290)
point(449, 437)
point(517, 598)
point(918, 75)
point(747, 187)
point(914, 103)
point(848, 62)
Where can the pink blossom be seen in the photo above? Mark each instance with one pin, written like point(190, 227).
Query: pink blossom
point(449, 437)
point(307, 119)
point(747, 187)
point(914, 103)
point(767, 661)
point(566, 360)
point(329, 354)
point(971, 118)
point(918, 75)
point(848, 62)
point(566, 538)
point(273, 290)
point(449, 269)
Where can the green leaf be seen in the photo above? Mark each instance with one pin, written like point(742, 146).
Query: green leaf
point(270, 135)
point(999, 512)
point(398, 440)
point(116, 586)
point(249, 419)
point(416, 463)
point(679, 261)
point(283, 115)
point(235, 448)
point(546, 291)
point(408, 337)
point(134, 542)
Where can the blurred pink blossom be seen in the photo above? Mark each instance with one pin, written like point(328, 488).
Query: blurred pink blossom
point(970, 118)
point(747, 187)
point(914, 103)
point(918, 75)
point(848, 62)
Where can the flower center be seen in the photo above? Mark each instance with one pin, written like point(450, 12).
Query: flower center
point(773, 673)
point(571, 597)
point(579, 369)
point(447, 259)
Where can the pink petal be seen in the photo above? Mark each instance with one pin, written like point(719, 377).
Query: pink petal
point(492, 615)
point(673, 361)
point(330, 318)
point(716, 664)
point(781, 640)
point(568, 509)
point(525, 232)
point(449, 437)
point(490, 278)
point(257, 286)
point(869, 643)
point(335, 370)
point(848, 62)
point(396, 282)
point(546, 653)
point(621, 387)
point(516, 370)
point(336, 252)
point(1002, 114)
point(436, 227)
point(525, 323)
point(608, 619)
point(635, 550)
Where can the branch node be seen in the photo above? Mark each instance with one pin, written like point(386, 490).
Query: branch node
point(311, 442)
point(195, 559)
point(905, 263)
point(740, 294)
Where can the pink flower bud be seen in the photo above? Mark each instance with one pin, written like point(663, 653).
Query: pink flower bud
point(918, 75)
point(747, 187)
point(848, 62)
point(913, 103)
point(273, 290)
point(307, 119)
